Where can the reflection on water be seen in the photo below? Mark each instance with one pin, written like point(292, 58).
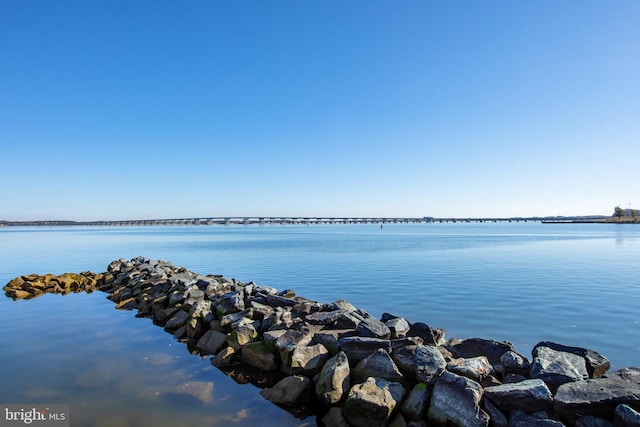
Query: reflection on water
point(114, 369)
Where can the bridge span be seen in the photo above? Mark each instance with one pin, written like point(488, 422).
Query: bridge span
point(301, 221)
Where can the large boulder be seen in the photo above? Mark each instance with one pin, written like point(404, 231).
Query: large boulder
point(372, 403)
point(288, 342)
point(473, 347)
point(372, 327)
point(334, 380)
point(231, 302)
point(597, 364)
point(455, 401)
point(514, 363)
point(625, 416)
point(259, 355)
point(398, 326)
point(599, 397)
point(529, 396)
point(421, 362)
point(289, 391)
point(475, 368)
point(211, 342)
point(415, 406)
point(357, 348)
point(379, 365)
point(429, 334)
point(307, 360)
point(556, 367)
point(330, 337)
point(325, 317)
point(177, 321)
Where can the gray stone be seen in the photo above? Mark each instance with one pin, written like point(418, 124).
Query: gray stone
point(260, 311)
point(475, 368)
point(287, 343)
point(600, 396)
point(372, 403)
point(267, 290)
point(307, 360)
point(357, 348)
point(338, 305)
point(415, 406)
point(625, 416)
point(270, 337)
point(496, 416)
point(398, 326)
point(195, 295)
point(181, 332)
point(589, 421)
point(228, 319)
point(455, 401)
point(278, 320)
point(223, 358)
point(329, 338)
point(231, 302)
point(349, 320)
point(519, 418)
point(429, 334)
point(557, 367)
point(211, 342)
point(176, 298)
point(473, 347)
point(422, 362)
point(514, 363)
point(258, 354)
point(529, 395)
point(373, 328)
point(597, 364)
point(379, 365)
point(324, 317)
point(289, 391)
point(279, 301)
point(244, 334)
point(334, 383)
point(178, 320)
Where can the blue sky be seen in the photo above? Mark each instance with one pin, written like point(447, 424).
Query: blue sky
point(161, 109)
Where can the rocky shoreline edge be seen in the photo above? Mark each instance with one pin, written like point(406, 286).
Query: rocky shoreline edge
point(351, 369)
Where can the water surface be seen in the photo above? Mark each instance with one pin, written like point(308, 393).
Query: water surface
point(520, 282)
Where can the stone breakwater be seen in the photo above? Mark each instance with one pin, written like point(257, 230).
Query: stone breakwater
point(351, 369)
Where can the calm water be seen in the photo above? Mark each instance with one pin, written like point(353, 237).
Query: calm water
point(520, 282)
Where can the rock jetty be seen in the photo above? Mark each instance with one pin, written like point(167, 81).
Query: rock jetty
point(349, 368)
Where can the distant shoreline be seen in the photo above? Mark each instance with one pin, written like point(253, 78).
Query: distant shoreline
point(319, 220)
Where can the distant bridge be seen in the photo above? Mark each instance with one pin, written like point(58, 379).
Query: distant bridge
point(260, 220)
